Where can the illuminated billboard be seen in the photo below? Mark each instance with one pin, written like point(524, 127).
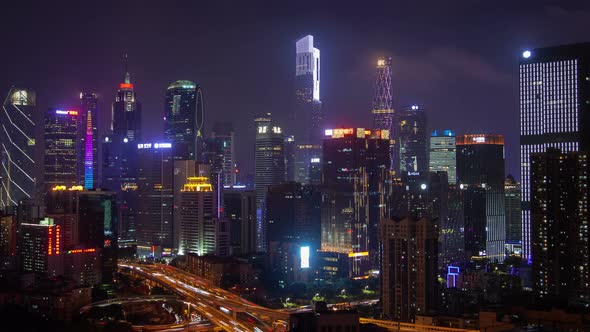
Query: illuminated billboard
point(304, 252)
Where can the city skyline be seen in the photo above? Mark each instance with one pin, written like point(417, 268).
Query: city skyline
point(453, 68)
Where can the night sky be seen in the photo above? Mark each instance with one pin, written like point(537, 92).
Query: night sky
point(459, 61)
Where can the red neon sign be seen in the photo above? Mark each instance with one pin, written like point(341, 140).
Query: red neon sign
point(126, 86)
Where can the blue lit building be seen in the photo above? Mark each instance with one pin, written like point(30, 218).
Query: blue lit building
point(88, 140)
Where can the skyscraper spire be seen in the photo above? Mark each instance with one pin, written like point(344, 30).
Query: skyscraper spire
point(127, 76)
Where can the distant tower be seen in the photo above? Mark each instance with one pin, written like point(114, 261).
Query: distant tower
point(269, 170)
point(88, 140)
point(126, 120)
point(61, 148)
point(412, 139)
point(308, 116)
point(17, 140)
point(224, 133)
point(383, 99)
point(183, 119)
point(443, 154)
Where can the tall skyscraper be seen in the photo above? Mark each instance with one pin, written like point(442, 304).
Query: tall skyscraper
point(119, 155)
point(126, 114)
point(383, 100)
point(409, 284)
point(560, 250)
point(443, 154)
point(224, 133)
point(354, 193)
point(480, 174)
point(61, 148)
point(88, 140)
point(554, 93)
point(269, 160)
point(18, 144)
point(412, 139)
point(513, 210)
point(155, 198)
point(309, 117)
point(183, 119)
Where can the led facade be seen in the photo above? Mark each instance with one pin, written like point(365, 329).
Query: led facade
point(554, 90)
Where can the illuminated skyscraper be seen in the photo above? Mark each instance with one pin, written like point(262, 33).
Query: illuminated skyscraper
point(224, 133)
point(18, 144)
point(155, 187)
point(183, 119)
point(61, 148)
point(119, 155)
point(88, 140)
point(560, 250)
point(40, 248)
point(554, 94)
point(480, 175)
point(354, 193)
point(198, 217)
point(383, 99)
point(443, 154)
point(308, 115)
point(412, 139)
point(269, 160)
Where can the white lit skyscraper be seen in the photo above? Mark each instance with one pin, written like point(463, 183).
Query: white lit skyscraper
point(554, 98)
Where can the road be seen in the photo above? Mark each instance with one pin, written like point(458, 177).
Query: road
point(222, 308)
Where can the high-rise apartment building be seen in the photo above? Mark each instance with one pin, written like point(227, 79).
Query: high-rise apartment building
point(40, 248)
point(17, 139)
point(198, 216)
point(224, 133)
point(554, 95)
point(155, 196)
point(355, 175)
point(411, 137)
point(183, 119)
point(88, 140)
point(513, 210)
point(408, 251)
point(269, 170)
point(61, 148)
point(382, 110)
point(443, 154)
point(480, 175)
point(560, 250)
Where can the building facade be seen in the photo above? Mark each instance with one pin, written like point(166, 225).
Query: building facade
point(155, 198)
point(183, 119)
point(411, 137)
point(224, 133)
point(354, 191)
point(553, 95)
point(269, 160)
point(61, 148)
point(382, 110)
point(18, 147)
point(408, 251)
point(443, 154)
point(560, 251)
point(88, 140)
point(480, 175)
point(513, 210)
